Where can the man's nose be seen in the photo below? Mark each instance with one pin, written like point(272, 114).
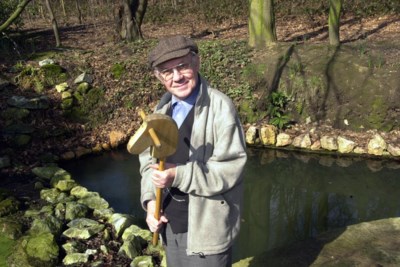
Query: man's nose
point(177, 74)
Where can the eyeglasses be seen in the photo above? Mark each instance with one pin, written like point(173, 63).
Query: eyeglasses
point(168, 74)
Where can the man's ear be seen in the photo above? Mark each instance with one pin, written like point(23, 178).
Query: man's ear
point(196, 62)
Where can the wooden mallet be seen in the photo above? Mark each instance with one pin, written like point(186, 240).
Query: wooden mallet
point(160, 133)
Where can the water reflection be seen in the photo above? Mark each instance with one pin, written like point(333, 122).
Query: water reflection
point(288, 196)
point(291, 197)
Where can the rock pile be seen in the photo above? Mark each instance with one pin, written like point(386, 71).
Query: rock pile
point(373, 143)
point(73, 226)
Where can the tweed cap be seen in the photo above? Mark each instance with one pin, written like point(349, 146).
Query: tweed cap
point(170, 48)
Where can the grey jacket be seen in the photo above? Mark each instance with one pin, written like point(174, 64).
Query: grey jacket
point(213, 175)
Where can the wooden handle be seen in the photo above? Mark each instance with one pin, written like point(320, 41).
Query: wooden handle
point(157, 214)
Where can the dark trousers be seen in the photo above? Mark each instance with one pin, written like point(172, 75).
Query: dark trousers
point(176, 245)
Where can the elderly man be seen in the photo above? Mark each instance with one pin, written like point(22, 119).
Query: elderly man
point(202, 182)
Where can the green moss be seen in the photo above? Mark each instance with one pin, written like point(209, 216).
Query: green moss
point(53, 74)
point(117, 70)
point(5, 249)
point(39, 79)
point(376, 117)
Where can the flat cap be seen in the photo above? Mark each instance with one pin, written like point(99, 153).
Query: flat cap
point(171, 47)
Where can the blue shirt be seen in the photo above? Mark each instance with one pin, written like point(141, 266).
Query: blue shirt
point(181, 108)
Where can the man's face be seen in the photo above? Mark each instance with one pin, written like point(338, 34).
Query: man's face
point(179, 75)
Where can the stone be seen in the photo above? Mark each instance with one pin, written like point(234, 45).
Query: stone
point(116, 138)
point(376, 145)
point(8, 206)
point(120, 222)
point(316, 145)
point(83, 228)
point(64, 185)
point(84, 77)
point(10, 228)
point(46, 61)
point(268, 134)
point(94, 202)
point(302, 141)
point(97, 148)
point(359, 150)
point(18, 128)
point(79, 192)
point(21, 140)
point(72, 246)
point(83, 88)
point(4, 83)
point(393, 150)
point(62, 87)
point(5, 162)
point(283, 139)
point(103, 213)
point(251, 135)
point(329, 143)
point(53, 195)
point(67, 103)
point(65, 95)
point(82, 151)
point(75, 259)
point(68, 155)
point(75, 210)
point(41, 102)
point(142, 261)
point(46, 172)
point(43, 248)
point(46, 224)
point(345, 145)
point(131, 248)
point(135, 231)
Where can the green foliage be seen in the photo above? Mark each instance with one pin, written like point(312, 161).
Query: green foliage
point(278, 102)
point(223, 64)
point(117, 70)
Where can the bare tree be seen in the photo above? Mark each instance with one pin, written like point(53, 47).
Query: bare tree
point(20, 7)
point(78, 8)
point(129, 18)
point(54, 24)
point(335, 9)
point(262, 29)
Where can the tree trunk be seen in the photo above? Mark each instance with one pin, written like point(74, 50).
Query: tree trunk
point(78, 8)
point(54, 24)
point(129, 18)
point(262, 29)
point(335, 9)
point(21, 6)
point(63, 8)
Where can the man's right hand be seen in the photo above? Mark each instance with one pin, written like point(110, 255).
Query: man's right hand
point(154, 224)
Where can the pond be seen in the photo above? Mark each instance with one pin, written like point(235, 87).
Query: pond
point(288, 196)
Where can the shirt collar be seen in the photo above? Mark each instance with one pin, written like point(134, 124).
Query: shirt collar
point(190, 100)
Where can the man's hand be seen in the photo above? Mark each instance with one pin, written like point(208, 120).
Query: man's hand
point(154, 224)
point(163, 179)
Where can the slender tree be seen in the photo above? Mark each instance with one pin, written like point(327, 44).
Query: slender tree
point(335, 9)
point(262, 29)
point(78, 8)
point(53, 23)
point(20, 7)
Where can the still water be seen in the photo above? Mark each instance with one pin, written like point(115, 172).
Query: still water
point(288, 197)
